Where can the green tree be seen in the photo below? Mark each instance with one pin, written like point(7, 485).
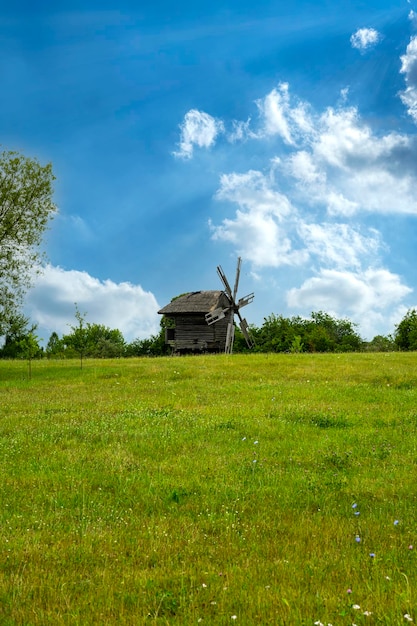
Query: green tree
point(55, 346)
point(297, 345)
point(25, 209)
point(381, 343)
point(327, 334)
point(276, 334)
point(21, 342)
point(152, 346)
point(239, 344)
point(92, 340)
point(77, 339)
point(17, 328)
point(405, 335)
point(321, 333)
point(104, 342)
point(29, 346)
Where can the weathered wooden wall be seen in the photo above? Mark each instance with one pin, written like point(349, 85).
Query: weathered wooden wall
point(192, 333)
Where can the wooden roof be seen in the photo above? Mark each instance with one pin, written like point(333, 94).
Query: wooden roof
point(196, 302)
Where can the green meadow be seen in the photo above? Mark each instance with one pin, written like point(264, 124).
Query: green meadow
point(245, 489)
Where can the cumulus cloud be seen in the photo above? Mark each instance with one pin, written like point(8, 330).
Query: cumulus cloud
point(365, 38)
point(361, 296)
point(339, 245)
point(282, 118)
point(325, 170)
point(337, 162)
point(127, 307)
point(198, 129)
point(355, 292)
point(409, 69)
point(259, 229)
point(334, 166)
point(270, 232)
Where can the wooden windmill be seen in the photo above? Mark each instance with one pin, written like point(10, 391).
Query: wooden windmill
point(232, 309)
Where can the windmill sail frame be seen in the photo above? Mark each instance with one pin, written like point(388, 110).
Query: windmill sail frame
point(232, 310)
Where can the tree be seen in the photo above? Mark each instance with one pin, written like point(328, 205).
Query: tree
point(327, 334)
point(21, 342)
point(90, 340)
point(153, 346)
point(406, 331)
point(29, 346)
point(104, 342)
point(297, 345)
point(55, 346)
point(381, 343)
point(276, 334)
point(321, 333)
point(25, 209)
point(78, 338)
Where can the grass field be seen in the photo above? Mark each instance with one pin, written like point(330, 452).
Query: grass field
point(245, 489)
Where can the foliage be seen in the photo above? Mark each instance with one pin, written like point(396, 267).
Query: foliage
point(29, 346)
point(25, 209)
point(77, 339)
point(104, 342)
point(20, 341)
point(335, 335)
point(239, 344)
point(55, 346)
point(381, 343)
point(270, 488)
point(297, 345)
point(321, 333)
point(406, 331)
point(153, 346)
point(277, 333)
point(92, 340)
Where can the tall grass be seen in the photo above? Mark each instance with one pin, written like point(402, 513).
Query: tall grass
point(247, 489)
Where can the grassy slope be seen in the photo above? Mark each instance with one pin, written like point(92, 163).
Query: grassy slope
point(209, 489)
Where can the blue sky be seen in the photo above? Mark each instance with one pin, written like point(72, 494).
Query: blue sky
point(185, 134)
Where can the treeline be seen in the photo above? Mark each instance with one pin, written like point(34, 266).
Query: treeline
point(319, 333)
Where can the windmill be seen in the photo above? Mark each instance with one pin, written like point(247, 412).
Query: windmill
point(232, 310)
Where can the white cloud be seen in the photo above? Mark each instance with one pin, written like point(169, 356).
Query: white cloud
point(274, 108)
point(339, 245)
point(268, 231)
point(302, 166)
point(280, 118)
point(412, 16)
point(344, 94)
point(257, 230)
point(364, 38)
point(198, 129)
point(341, 165)
point(409, 68)
point(338, 167)
point(365, 298)
point(127, 307)
point(341, 137)
point(324, 169)
point(240, 132)
point(253, 191)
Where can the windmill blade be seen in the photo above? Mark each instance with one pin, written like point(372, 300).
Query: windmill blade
point(230, 311)
point(239, 263)
point(216, 315)
point(230, 337)
point(246, 300)
point(245, 331)
point(225, 282)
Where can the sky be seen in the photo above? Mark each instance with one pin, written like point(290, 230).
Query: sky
point(183, 135)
